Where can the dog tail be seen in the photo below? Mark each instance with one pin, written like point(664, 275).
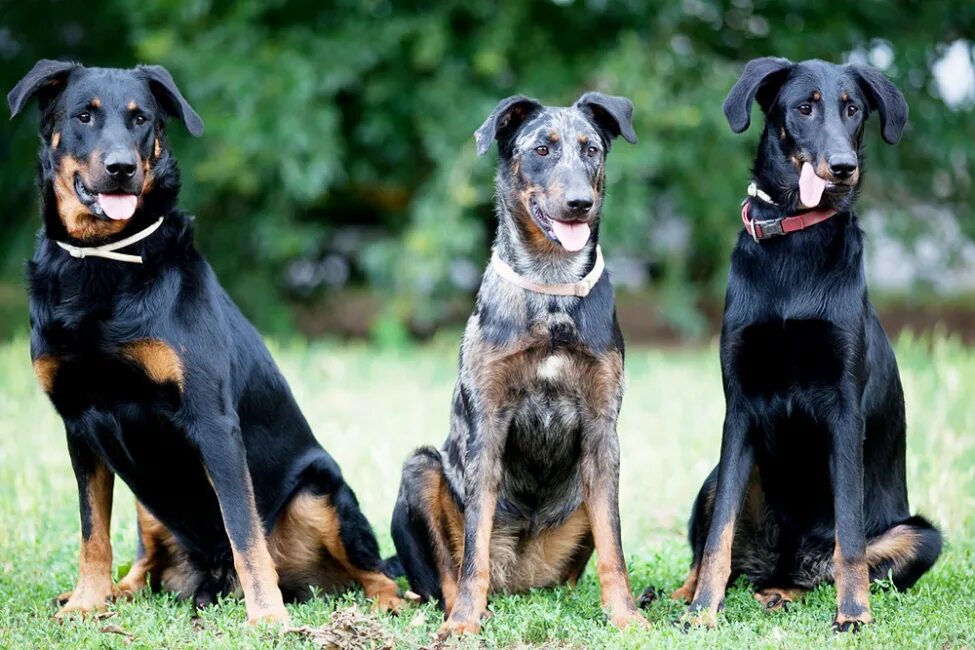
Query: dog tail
point(393, 568)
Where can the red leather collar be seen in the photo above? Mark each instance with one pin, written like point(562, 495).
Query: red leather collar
point(760, 230)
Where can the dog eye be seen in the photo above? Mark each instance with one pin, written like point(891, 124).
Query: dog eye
point(805, 109)
point(592, 151)
point(541, 151)
point(85, 117)
point(851, 110)
point(140, 120)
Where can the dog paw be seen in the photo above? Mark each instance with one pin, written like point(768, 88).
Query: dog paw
point(773, 599)
point(844, 623)
point(627, 618)
point(699, 617)
point(130, 585)
point(274, 616)
point(86, 600)
point(457, 625)
point(388, 603)
point(650, 595)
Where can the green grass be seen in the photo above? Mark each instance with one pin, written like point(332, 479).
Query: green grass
point(370, 408)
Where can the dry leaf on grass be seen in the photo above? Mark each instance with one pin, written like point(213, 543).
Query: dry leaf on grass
point(115, 629)
point(348, 629)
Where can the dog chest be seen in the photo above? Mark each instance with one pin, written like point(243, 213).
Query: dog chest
point(772, 357)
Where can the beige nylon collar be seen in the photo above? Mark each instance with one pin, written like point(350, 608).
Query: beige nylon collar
point(108, 250)
point(578, 289)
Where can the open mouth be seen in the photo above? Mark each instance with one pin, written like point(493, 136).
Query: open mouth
point(107, 205)
point(572, 235)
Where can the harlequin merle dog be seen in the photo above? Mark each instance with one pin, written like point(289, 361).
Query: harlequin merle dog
point(159, 378)
point(526, 484)
point(810, 486)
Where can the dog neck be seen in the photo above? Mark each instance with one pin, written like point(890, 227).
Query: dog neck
point(548, 264)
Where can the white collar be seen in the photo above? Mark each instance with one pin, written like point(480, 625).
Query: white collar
point(108, 250)
point(578, 289)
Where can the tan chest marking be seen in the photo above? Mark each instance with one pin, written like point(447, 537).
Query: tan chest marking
point(46, 369)
point(159, 361)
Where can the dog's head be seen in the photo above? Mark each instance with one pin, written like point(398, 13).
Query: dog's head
point(814, 117)
point(103, 139)
point(553, 162)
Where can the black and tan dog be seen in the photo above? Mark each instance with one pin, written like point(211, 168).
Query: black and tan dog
point(526, 484)
point(811, 482)
point(159, 378)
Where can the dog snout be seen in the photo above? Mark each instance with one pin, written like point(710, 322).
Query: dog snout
point(842, 165)
point(579, 200)
point(121, 164)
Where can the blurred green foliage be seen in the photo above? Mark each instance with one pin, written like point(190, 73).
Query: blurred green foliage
point(327, 115)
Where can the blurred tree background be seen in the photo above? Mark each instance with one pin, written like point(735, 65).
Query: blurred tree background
point(337, 188)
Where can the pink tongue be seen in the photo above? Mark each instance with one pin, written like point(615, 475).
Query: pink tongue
point(118, 206)
point(810, 186)
point(572, 236)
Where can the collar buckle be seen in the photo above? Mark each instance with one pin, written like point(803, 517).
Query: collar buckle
point(769, 228)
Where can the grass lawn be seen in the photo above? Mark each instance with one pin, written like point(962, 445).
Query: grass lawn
point(370, 408)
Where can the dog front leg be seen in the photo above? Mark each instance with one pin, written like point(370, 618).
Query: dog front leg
point(225, 461)
point(850, 570)
point(95, 482)
point(482, 481)
point(600, 482)
point(734, 468)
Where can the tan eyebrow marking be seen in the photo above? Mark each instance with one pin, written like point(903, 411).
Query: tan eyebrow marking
point(816, 96)
point(96, 103)
point(845, 97)
point(133, 106)
point(583, 138)
point(553, 136)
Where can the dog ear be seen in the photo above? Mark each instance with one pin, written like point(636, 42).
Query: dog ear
point(612, 114)
point(172, 101)
point(45, 80)
point(884, 97)
point(504, 120)
point(761, 78)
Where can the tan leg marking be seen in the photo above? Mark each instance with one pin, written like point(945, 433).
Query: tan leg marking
point(309, 524)
point(614, 581)
point(852, 579)
point(686, 591)
point(471, 601)
point(898, 545)
point(156, 543)
point(446, 526)
point(95, 588)
point(375, 584)
point(712, 579)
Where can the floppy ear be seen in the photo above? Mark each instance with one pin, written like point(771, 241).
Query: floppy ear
point(612, 114)
point(762, 78)
point(504, 120)
point(885, 98)
point(46, 79)
point(172, 101)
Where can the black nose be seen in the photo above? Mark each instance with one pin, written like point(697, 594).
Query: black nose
point(842, 165)
point(120, 165)
point(579, 203)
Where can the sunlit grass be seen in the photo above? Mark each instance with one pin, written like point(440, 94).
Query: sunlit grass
point(370, 408)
